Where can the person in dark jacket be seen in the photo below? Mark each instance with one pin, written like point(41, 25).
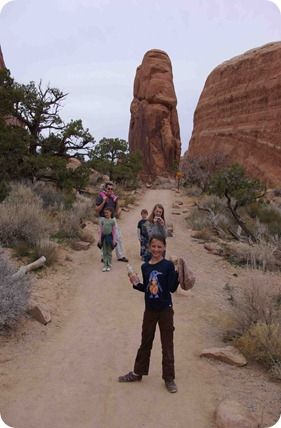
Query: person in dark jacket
point(159, 280)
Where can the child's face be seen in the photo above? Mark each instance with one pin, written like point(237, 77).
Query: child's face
point(158, 212)
point(107, 214)
point(144, 216)
point(156, 248)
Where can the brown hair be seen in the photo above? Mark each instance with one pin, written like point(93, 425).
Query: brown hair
point(158, 237)
point(151, 217)
point(144, 211)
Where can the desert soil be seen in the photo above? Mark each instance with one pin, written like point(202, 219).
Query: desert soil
point(65, 374)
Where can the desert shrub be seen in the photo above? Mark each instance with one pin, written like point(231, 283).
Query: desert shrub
point(256, 303)
point(43, 247)
point(275, 370)
point(258, 319)
point(22, 217)
point(70, 220)
point(52, 197)
point(262, 255)
point(20, 193)
point(14, 295)
point(48, 249)
point(197, 220)
point(193, 191)
point(262, 343)
point(268, 215)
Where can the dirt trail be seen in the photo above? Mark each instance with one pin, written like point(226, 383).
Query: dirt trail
point(67, 376)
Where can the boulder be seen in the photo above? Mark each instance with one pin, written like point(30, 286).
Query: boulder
point(154, 127)
point(239, 114)
point(231, 414)
point(81, 245)
point(40, 312)
point(229, 355)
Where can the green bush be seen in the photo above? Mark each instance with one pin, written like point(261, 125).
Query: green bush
point(14, 295)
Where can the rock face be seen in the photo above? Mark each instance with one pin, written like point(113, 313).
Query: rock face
point(154, 127)
point(239, 113)
point(2, 62)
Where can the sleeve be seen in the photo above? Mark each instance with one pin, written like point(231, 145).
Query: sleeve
point(149, 227)
point(138, 230)
point(99, 200)
point(164, 230)
point(114, 232)
point(100, 231)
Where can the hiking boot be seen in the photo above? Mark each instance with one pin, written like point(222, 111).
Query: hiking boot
point(130, 377)
point(171, 386)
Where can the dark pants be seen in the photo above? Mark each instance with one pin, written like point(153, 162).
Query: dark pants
point(165, 320)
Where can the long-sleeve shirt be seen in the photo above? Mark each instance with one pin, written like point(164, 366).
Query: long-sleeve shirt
point(156, 229)
point(159, 281)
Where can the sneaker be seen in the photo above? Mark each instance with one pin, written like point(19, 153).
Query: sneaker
point(171, 386)
point(108, 269)
point(130, 377)
point(104, 269)
point(123, 259)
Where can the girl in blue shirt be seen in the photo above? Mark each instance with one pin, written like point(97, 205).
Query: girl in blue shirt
point(159, 280)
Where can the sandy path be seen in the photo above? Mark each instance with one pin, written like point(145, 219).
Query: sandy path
point(70, 377)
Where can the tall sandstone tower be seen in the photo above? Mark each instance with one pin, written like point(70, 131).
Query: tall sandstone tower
point(239, 113)
point(2, 62)
point(154, 127)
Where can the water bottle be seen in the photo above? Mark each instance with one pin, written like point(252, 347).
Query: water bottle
point(132, 274)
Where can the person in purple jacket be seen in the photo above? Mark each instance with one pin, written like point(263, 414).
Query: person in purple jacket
point(160, 279)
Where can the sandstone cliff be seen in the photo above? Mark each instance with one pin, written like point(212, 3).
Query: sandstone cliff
point(154, 127)
point(239, 113)
point(2, 62)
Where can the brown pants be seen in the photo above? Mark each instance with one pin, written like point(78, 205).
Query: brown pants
point(165, 320)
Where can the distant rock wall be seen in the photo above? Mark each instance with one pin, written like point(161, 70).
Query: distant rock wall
point(239, 113)
point(2, 62)
point(154, 127)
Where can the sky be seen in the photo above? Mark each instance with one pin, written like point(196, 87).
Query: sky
point(90, 49)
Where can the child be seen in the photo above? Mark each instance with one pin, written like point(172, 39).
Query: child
point(102, 193)
point(142, 234)
point(155, 224)
point(159, 280)
point(107, 238)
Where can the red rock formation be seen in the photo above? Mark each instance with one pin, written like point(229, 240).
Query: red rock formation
point(239, 113)
point(2, 62)
point(154, 127)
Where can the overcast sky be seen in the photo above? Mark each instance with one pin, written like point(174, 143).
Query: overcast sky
point(90, 49)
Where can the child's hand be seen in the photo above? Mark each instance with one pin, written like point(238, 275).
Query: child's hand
point(131, 280)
